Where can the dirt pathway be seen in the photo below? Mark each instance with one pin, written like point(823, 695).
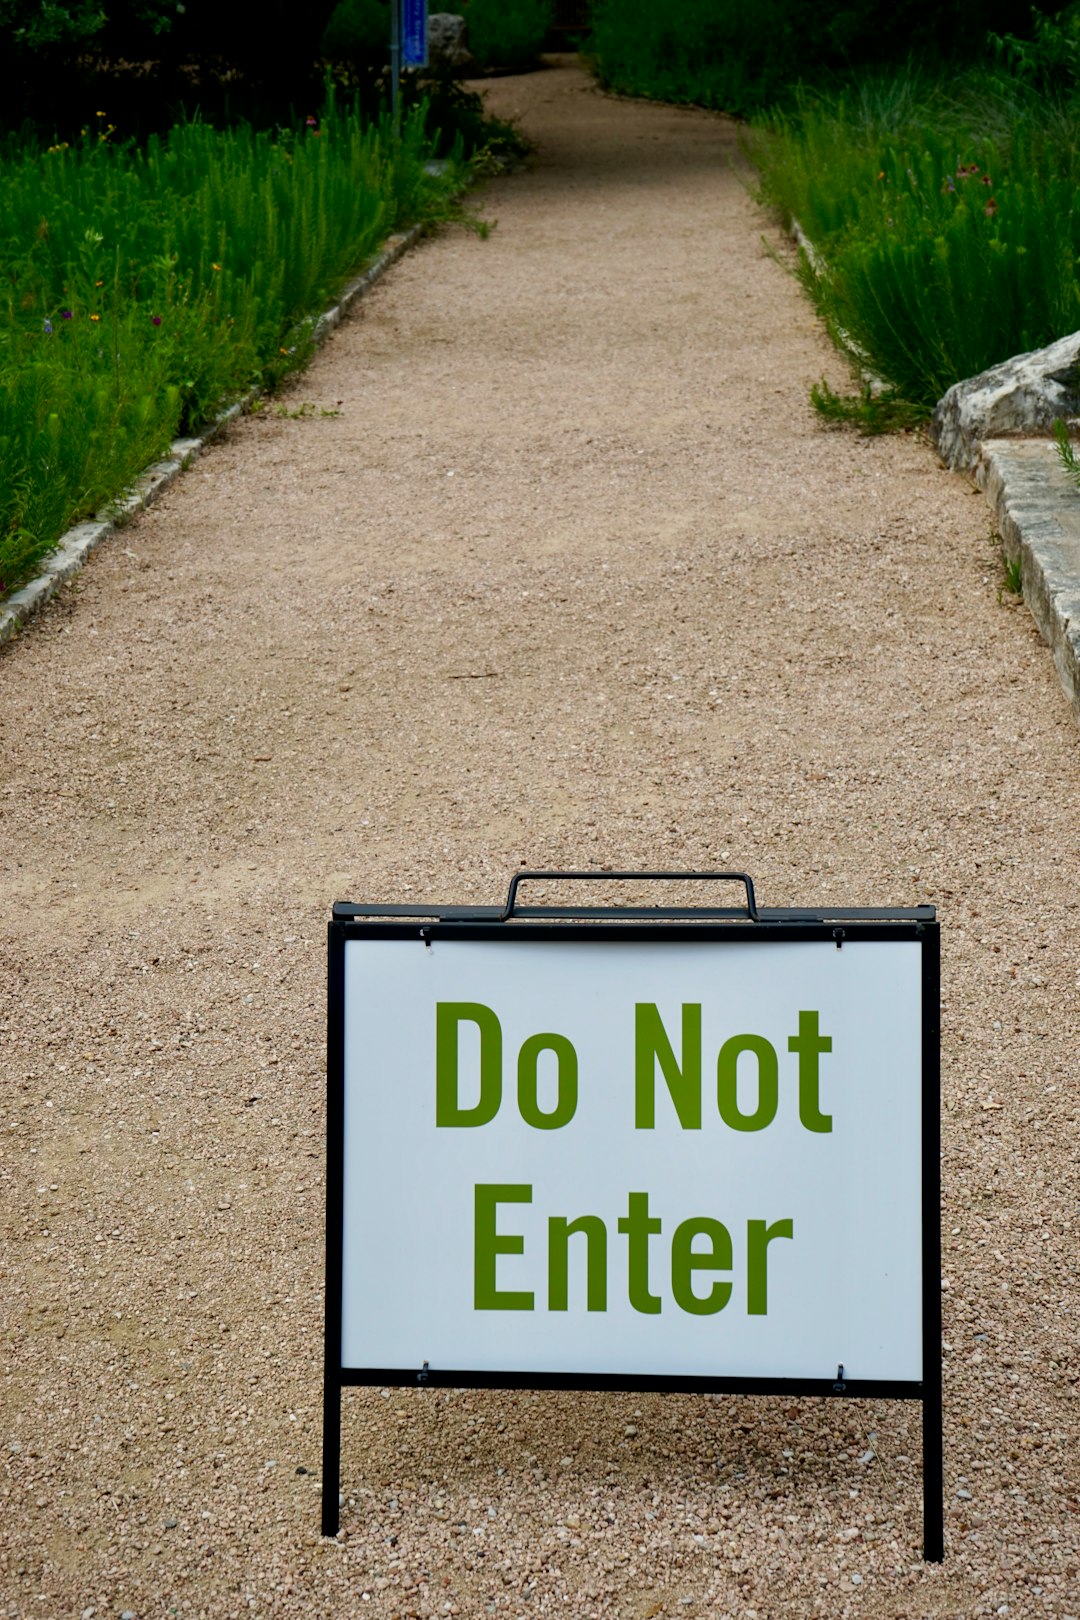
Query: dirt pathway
point(573, 578)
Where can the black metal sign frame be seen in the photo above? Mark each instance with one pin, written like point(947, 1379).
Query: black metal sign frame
point(748, 925)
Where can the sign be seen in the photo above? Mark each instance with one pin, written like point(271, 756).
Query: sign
point(687, 1152)
point(414, 35)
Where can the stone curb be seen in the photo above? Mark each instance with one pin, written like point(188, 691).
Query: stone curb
point(75, 546)
point(1038, 517)
point(844, 341)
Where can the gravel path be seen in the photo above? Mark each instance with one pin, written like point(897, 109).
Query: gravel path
point(573, 578)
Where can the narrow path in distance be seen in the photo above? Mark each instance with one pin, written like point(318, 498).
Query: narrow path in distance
point(573, 578)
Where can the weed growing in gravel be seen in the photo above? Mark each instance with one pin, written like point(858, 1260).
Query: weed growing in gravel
point(870, 413)
point(1066, 454)
point(1011, 586)
point(142, 287)
point(301, 413)
point(1014, 578)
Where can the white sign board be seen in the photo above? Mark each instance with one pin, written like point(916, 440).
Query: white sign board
point(633, 1156)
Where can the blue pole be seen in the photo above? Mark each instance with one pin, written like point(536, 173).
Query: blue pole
point(395, 63)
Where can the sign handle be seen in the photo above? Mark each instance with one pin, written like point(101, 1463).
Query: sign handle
point(650, 877)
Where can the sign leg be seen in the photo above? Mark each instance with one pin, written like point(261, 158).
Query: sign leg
point(933, 1473)
point(331, 1457)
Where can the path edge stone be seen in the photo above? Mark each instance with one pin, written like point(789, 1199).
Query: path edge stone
point(1037, 511)
point(74, 546)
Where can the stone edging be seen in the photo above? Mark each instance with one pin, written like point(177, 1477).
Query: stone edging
point(1038, 517)
point(844, 341)
point(74, 547)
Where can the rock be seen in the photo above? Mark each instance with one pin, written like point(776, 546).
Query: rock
point(447, 51)
point(1023, 395)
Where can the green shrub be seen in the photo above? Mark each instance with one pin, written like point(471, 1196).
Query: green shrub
point(1051, 57)
point(359, 33)
point(714, 54)
point(507, 33)
point(742, 58)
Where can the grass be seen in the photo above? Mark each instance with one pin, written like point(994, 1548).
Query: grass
point(142, 288)
point(944, 218)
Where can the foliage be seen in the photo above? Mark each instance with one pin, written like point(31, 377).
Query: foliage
point(36, 25)
point(149, 60)
point(141, 288)
point(507, 33)
point(741, 59)
point(359, 33)
point(1052, 56)
point(943, 213)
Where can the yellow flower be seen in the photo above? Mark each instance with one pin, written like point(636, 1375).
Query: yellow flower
point(215, 267)
point(95, 317)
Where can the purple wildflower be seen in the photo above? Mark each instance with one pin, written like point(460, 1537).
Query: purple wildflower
point(155, 320)
point(66, 315)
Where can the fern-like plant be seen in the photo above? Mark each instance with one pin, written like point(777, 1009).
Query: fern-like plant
point(1070, 462)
